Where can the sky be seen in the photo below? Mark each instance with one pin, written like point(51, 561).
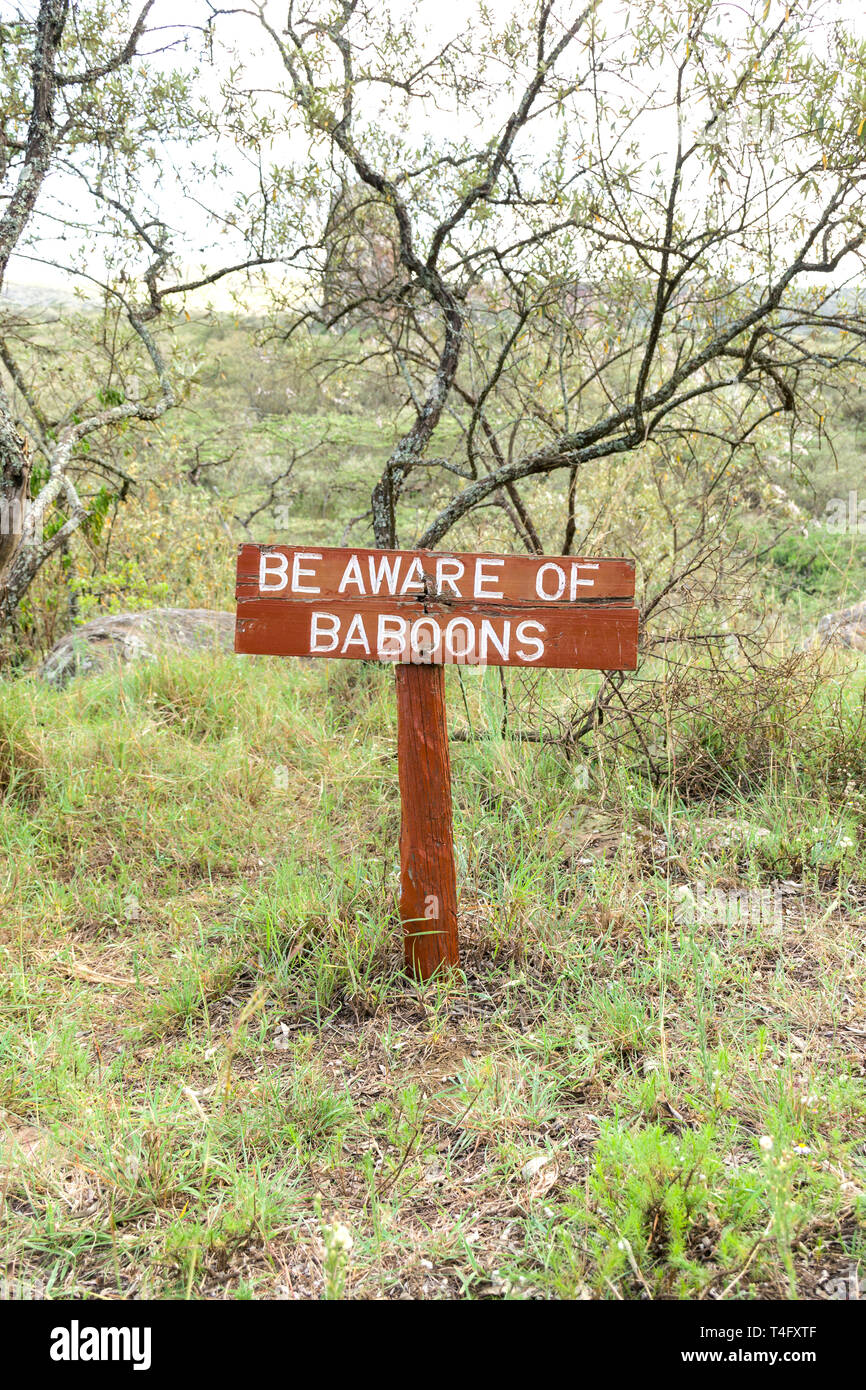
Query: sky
point(439, 19)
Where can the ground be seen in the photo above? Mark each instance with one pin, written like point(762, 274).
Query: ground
point(217, 1081)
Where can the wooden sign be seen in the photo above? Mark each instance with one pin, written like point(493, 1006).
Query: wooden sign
point(423, 610)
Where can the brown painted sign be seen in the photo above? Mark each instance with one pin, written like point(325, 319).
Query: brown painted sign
point(314, 573)
point(424, 610)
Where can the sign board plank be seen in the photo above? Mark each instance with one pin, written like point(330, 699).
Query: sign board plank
point(318, 574)
point(600, 638)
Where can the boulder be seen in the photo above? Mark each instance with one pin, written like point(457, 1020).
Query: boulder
point(136, 637)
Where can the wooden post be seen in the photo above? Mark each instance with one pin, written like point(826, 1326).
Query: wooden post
point(428, 882)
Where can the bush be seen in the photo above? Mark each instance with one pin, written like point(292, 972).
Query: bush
point(717, 726)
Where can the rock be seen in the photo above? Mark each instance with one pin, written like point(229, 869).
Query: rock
point(136, 637)
point(847, 627)
point(722, 832)
point(586, 835)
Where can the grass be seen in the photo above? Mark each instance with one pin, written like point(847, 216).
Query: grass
point(813, 573)
point(217, 1081)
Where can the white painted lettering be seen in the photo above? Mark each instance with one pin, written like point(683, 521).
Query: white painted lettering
point(356, 635)
point(414, 578)
point(456, 570)
point(389, 566)
point(391, 637)
point(298, 573)
point(522, 635)
point(490, 639)
point(482, 578)
point(467, 650)
point(351, 575)
point(319, 628)
point(559, 582)
point(576, 579)
point(273, 562)
point(425, 648)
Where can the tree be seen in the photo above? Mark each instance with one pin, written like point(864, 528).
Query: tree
point(621, 239)
point(93, 118)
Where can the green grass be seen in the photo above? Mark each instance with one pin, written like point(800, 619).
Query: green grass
point(212, 1062)
point(814, 573)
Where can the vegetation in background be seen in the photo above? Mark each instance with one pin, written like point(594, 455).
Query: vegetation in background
point(609, 293)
